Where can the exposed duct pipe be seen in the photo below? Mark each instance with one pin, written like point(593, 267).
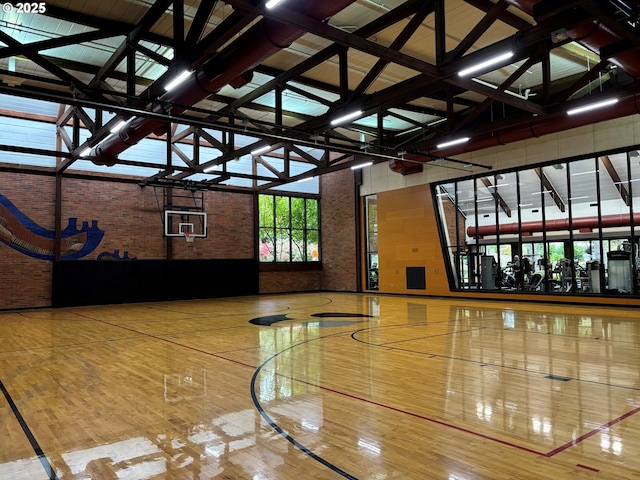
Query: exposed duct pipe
point(592, 34)
point(528, 228)
point(231, 66)
point(544, 126)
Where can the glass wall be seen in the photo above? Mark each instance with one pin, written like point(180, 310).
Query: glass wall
point(564, 227)
point(371, 246)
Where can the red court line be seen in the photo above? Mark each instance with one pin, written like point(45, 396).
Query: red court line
point(428, 419)
point(593, 432)
point(399, 410)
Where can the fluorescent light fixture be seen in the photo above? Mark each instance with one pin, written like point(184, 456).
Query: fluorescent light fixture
point(579, 198)
point(415, 129)
point(541, 193)
point(453, 142)
point(486, 63)
point(181, 77)
point(436, 122)
point(627, 181)
point(212, 169)
point(525, 205)
point(306, 179)
point(260, 150)
point(583, 173)
point(86, 152)
point(509, 92)
point(272, 3)
point(116, 128)
point(592, 106)
point(361, 165)
point(346, 118)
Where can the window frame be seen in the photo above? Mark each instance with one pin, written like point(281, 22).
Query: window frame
point(294, 228)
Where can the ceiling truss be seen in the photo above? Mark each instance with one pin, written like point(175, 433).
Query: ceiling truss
point(408, 117)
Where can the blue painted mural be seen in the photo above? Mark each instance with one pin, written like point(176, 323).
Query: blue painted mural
point(115, 255)
point(22, 234)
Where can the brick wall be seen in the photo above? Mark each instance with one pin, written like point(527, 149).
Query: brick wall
point(282, 282)
point(338, 211)
point(26, 281)
point(131, 218)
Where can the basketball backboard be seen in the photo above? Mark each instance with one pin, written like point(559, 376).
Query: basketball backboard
point(177, 222)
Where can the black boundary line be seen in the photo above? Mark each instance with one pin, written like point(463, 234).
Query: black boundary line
point(477, 362)
point(277, 427)
point(562, 335)
point(254, 397)
point(27, 431)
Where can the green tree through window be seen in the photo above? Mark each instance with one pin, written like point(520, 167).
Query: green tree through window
point(289, 229)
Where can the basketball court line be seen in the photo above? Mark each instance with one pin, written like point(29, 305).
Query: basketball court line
point(478, 362)
point(593, 432)
point(462, 429)
point(64, 345)
point(277, 427)
point(559, 335)
point(355, 397)
point(44, 461)
point(271, 423)
point(406, 412)
point(385, 344)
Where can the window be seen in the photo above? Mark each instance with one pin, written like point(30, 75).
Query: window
point(576, 222)
point(289, 229)
point(371, 209)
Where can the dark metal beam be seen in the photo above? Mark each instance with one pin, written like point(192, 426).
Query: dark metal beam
point(506, 17)
point(440, 32)
point(493, 190)
point(138, 31)
point(619, 184)
point(483, 25)
point(199, 23)
point(37, 47)
point(397, 44)
point(71, 81)
point(551, 189)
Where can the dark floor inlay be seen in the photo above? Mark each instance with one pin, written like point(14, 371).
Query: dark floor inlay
point(269, 320)
point(557, 377)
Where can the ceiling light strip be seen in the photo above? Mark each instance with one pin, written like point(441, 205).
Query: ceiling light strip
point(180, 78)
point(487, 63)
point(450, 143)
point(361, 165)
point(346, 118)
point(593, 106)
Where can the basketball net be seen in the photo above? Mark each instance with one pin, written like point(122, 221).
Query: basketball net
point(189, 236)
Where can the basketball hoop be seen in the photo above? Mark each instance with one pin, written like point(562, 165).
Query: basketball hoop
point(189, 236)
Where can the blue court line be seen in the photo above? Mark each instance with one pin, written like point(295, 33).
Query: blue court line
point(27, 431)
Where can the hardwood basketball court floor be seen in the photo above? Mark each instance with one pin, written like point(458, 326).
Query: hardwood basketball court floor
point(320, 386)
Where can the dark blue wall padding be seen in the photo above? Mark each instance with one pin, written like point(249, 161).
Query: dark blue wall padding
point(92, 282)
